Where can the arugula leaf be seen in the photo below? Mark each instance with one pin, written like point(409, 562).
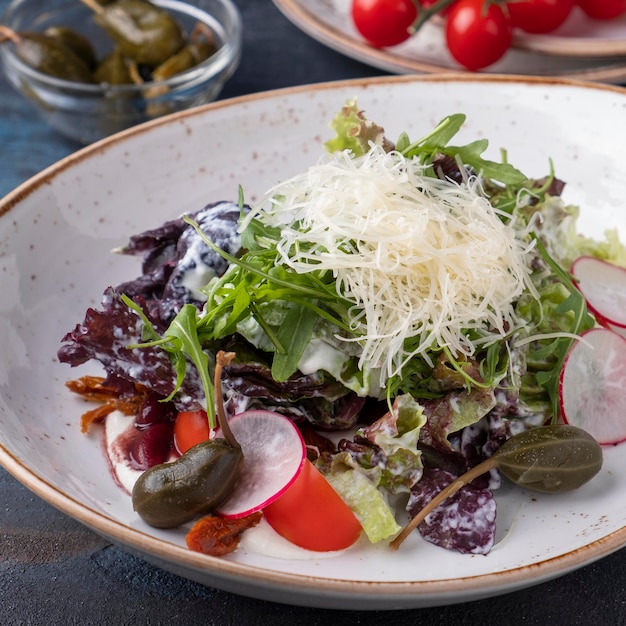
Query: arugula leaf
point(180, 340)
point(183, 328)
point(295, 334)
point(437, 139)
point(471, 155)
point(558, 348)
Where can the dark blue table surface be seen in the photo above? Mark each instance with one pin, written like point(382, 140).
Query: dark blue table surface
point(53, 570)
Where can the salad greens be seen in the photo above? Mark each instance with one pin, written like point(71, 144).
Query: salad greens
point(282, 311)
point(298, 336)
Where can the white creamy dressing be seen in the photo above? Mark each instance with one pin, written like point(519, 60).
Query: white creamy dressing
point(262, 539)
point(196, 275)
point(199, 264)
point(117, 430)
point(320, 355)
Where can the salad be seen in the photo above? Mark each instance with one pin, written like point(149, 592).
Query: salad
point(330, 359)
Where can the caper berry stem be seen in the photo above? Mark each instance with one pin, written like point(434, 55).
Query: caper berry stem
point(6, 34)
point(442, 496)
point(221, 360)
point(93, 5)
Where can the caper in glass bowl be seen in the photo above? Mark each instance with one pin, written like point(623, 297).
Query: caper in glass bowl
point(94, 68)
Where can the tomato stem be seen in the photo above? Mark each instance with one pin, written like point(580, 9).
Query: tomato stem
point(425, 13)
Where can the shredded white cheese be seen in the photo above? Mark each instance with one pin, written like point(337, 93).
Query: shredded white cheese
point(418, 257)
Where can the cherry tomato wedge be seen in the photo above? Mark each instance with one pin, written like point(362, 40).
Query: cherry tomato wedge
point(539, 16)
point(190, 428)
point(603, 9)
point(312, 515)
point(477, 34)
point(384, 22)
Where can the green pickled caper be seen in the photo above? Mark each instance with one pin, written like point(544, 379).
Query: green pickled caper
point(50, 56)
point(551, 459)
point(114, 70)
point(74, 41)
point(144, 32)
point(171, 494)
point(191, 55)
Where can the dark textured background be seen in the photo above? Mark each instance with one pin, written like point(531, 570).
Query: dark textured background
point(53, 570)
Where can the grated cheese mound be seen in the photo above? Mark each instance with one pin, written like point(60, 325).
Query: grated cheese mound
point(418, 257)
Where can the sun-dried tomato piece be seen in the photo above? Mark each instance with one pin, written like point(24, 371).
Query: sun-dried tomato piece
point(94, 389)
point(217, 536)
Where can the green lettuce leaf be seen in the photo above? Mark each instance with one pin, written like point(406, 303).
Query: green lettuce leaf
point(364, 499)
point(354, 131)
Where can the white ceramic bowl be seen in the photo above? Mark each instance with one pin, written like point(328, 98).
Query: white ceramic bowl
point(87, 112)
point(56, 233)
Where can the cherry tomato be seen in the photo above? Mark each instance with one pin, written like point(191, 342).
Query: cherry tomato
point(539, 16)
point(477, 34)
point(312, 515)
point(603, 9)
point(384, 22)
point(190, 428)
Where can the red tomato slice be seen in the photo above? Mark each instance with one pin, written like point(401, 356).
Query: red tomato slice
point(190, 428)
point(312, 515)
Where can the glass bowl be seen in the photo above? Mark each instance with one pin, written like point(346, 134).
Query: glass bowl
point(86, 112)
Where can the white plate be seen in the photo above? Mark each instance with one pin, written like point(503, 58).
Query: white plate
point(579, 36)
point(329, 22)
point(56, 233)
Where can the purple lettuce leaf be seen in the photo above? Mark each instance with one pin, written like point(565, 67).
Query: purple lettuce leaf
point(316, 398)
point(104, 336)
point(465, 522)
point(174, 253)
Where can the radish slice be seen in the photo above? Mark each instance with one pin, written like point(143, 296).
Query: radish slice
point(273, 456)
point(592, 389)
point(603, 285)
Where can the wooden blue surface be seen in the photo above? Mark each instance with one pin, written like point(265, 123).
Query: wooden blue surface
point(55, 571)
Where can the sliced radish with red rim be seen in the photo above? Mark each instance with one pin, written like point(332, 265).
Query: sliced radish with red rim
point(603, 285)
point(592, 390)
point(274, 454)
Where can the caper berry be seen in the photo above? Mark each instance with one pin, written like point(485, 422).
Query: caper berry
point(144, 32)
point(51, 56)
point(113, 70)
point(171, 494)
point(190, 56)
point(550, 458)
point(74, 41)
point(149, 45)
